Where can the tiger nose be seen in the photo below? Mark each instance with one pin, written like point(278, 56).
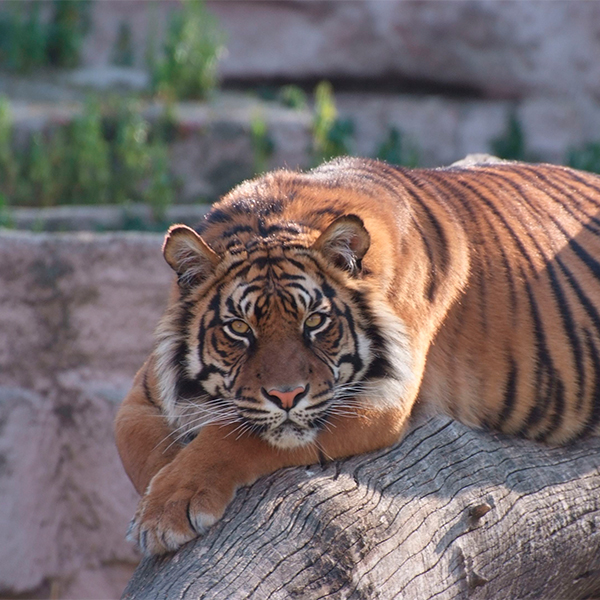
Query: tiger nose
point(286, 399)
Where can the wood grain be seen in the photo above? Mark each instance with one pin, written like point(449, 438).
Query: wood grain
point(447, 513)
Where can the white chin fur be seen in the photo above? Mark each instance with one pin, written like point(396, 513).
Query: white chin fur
point(288, 437)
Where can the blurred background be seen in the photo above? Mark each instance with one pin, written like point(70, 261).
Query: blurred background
point(169, 103)
point(131, 114)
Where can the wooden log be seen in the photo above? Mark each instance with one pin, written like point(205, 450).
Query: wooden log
point(448, 513)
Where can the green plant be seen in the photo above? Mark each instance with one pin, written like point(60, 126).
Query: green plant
point(159, 192)
point(88, 159)
point(67, 28)
point(28, 42)
point(293, 96)
point(95, 159)
point(41, 175)
point(262, 144)
point(6, 219)
point(511, 144)
point(194, 43)
point(9, 167)
point(132, 159)
point(122, 54)
point(141, 163)
point(331, 135)
point(395, 151)
point(586, 157)
point(23, 38)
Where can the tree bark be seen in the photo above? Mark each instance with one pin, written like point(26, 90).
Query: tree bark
point(448, 513)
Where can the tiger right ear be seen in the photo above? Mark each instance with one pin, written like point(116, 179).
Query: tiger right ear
point(344, 243)
point(189, 255)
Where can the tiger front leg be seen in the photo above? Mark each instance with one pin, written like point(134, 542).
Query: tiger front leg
point(192, 492)
point(188, 495)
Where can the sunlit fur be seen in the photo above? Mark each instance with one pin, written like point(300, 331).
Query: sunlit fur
point(472, 290)
point(480, 284)
point(274, 284)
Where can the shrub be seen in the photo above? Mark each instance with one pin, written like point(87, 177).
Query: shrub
point(122, 54)
point(395, 151)
point(95, 159)
point(511, 144)
point(586, 157)
point(188, 67)
point(331, 135)
point(27, 42)
point(9, 168)
point(292, 96)
point(262, 144)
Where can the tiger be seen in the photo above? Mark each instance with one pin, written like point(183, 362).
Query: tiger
point(313, 313)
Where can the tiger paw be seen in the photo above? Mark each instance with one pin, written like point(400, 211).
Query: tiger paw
point(174, 511)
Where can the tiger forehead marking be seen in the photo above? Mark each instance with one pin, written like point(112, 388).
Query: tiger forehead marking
point(269, 282)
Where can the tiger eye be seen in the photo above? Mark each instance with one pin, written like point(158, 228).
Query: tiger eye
point(314, 321)
point(239, 326)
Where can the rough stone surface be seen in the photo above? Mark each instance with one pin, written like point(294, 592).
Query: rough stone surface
point(77, 313)
point(506, 49)
point(102, 218)
point(539, 55)
point(455, 71)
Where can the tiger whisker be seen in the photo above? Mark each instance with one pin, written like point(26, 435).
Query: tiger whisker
point(194, 425)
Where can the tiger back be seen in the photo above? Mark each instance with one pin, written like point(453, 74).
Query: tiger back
point(493, 271)
point(313, 310)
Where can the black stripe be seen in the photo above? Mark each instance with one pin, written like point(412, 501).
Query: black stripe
point(187, 388)
point(584, 181)
point(237, 229)
point(450, 188)
point(432, 281)
point(573, 198)
point(594, 417)
point(207, 371)
point(147, 391)
point(319, 405)
point(328, 211)
point(504, 222)
point(548, 384)
point(218, 215)
point(510, 394)
point(571, 331)
point(589, 308)
point(590, 262)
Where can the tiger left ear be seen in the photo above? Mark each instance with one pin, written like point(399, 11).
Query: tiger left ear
point(344, 243)
point(189, 255)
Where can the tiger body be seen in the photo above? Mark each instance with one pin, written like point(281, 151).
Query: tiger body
point(314, 310)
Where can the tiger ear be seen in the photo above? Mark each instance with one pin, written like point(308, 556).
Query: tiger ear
point(344, 243)
point(189, 255)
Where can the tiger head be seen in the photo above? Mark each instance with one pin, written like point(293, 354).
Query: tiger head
point(278, 333)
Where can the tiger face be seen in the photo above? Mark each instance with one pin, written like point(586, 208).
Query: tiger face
point(277, 337)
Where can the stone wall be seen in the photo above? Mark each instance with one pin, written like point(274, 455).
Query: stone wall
point(452, 70)
point(446, 74)
point(77, 313)
point(499, 49)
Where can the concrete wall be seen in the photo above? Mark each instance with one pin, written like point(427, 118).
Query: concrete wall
point(77, 312)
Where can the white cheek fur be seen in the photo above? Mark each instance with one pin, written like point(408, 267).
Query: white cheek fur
point(392, 390)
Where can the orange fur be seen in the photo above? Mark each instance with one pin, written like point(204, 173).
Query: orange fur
point(474, 289)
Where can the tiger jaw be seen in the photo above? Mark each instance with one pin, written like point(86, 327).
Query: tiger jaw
point(292, 429)
point(289, 435)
